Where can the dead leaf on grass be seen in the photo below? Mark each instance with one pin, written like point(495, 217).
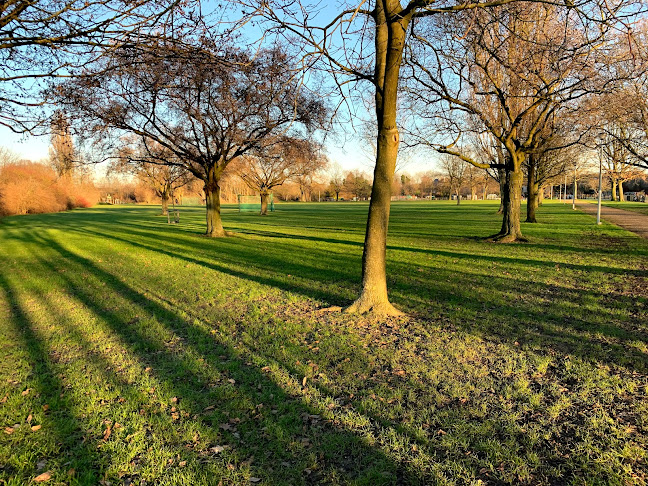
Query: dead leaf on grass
point(41, 478)
point(26, 392)
point(36, 427)
point(255, 480)
point(8, 430)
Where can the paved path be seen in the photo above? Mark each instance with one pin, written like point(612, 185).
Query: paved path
point(635, 222)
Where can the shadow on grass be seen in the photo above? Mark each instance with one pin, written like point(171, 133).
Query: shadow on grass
point(540, 323)
point(60, 425)
point(339, 452)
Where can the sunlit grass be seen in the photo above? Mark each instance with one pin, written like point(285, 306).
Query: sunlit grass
point(148, 354)
point(637, 207)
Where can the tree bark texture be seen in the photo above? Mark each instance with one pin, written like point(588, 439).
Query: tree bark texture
point(212, 202)
point(391, 29)
point(621, 195)
point(532, 191)
point(502, 183)
point(165, 203)
point(264, 204)
point(614, 189)
point(512, 200)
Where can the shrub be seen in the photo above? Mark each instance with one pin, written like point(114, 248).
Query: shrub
point(27, 188)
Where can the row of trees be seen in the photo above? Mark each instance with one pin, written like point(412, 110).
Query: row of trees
point(502, 85)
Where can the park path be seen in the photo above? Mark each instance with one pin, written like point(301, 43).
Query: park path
point(635, 222)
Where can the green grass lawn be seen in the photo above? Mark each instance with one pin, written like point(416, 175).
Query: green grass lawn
point(136, 352)
point(637, 207)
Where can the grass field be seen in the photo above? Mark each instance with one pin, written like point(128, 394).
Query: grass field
point(136, 352)
point(637, 207)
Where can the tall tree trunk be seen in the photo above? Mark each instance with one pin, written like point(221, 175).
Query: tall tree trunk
point(165, 202)
point(541, 196)
point(458, 196)
point(390, 42)
point(212, 200)
point(337, 196)
point(614, 189)
point(264, 203)
point(512, 199)
point(621, 195)
point(532, 190)
point(502, 183)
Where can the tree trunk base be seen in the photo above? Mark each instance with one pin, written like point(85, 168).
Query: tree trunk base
point(219, 234)
point(531, 220)
point(507, 238)
point(366, 306)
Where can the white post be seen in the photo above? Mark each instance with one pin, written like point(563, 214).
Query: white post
point(600, 189)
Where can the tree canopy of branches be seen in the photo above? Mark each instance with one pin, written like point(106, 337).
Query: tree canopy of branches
point(384, 29)
point(517, 69)
point(51, 38)
point(208, 104)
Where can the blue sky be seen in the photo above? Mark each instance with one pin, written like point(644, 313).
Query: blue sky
point(351, 151)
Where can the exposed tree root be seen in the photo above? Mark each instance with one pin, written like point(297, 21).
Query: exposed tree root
point(366, 306)
point(223, 234)
point(507, 238)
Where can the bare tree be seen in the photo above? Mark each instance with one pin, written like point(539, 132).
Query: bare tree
point(155, 166)
point(455, 169)
point(208, 104)
point(287, 159)
point(517, 69)
point(336, 180)
point(365, 41)
point(43, 39)
point(62, 153)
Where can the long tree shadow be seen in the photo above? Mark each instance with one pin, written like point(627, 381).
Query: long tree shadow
point(174, 367)
point(539, 323)
point(59, 423)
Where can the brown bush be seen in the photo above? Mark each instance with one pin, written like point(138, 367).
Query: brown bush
point(27, 188)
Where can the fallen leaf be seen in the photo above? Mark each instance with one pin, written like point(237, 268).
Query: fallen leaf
point(304, 381)
point(182, 463)
point(26, 392)
point(29, 418)
point(71, 472)
point(9, 430)
point(36, 427)
point(174, 400)
point(255, 480)
point(45, 408)
point(232, 381)
point(107, 432)
point(218, 449)
point(4, 399)
point(41, 478)
point(207, 409)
